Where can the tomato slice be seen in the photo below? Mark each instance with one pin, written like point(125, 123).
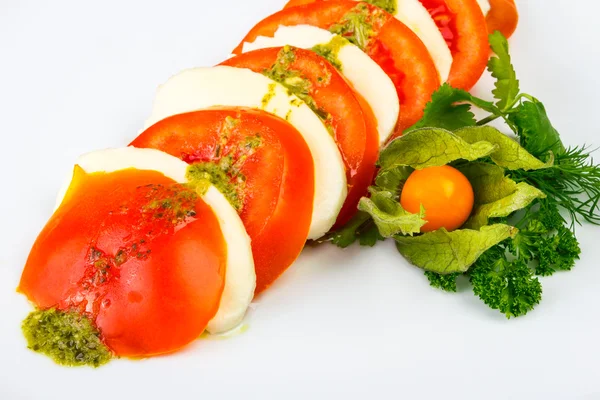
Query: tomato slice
point(326, 91)
point(296, 3)
point(268, 165)
point(392, 45)
point(136, 268)
point(503, 16)
point(463, 25)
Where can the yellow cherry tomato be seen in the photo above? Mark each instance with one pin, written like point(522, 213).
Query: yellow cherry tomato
point(445, 193)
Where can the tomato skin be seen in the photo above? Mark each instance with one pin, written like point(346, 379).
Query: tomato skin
point(503, 16)
point(352, 121)
point(296, 3)
point(136, 275)
point(463, 25)
point(445, 193)
point(397, 50)
point(279, 177)
point(415, 80)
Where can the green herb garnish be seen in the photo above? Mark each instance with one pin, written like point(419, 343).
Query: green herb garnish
point(523, 185)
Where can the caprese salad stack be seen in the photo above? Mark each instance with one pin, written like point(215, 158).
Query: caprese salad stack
point(236, 168)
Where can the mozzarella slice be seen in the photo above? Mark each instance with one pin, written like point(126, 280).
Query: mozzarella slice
point(414, 15)
point(485, 6)
point(240, 278)
point(199, 88)
point(367, 78)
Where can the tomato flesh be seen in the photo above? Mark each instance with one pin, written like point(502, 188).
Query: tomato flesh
point(353, 126)
point(445, 194)
point(397, 50)
point(275, 182)
point(113, 252)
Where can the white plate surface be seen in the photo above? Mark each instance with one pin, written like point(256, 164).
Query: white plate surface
point(358, 323)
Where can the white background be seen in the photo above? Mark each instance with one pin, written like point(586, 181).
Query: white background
point(360, 323)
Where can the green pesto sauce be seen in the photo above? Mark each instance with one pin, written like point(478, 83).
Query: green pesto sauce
point(357, 26)
point(331, 50)
point(202, 175)
point(224, 174)
point(66, 337)
point(390, 6)
point(295, 83)
point(269, 95)
point(172, 203)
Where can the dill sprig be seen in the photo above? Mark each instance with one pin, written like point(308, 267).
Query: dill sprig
point(572, 183)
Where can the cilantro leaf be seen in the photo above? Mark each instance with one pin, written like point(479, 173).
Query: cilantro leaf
point(444, 282)
point(450, 108)
point(501, 68)
point(443, 112)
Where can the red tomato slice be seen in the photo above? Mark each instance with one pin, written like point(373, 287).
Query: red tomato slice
point(354, 128)
point(503, 16)
point(277, 187)
point(150, 277)
point(392, 45)
point(296, 3)
point(463, 25)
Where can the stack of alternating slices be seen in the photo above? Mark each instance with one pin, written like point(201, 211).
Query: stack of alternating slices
point(241, 163)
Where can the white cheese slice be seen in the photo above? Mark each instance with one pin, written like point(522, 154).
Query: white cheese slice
point(414, 15)
point(240, 278)
point(201, 88)
point(367, 78)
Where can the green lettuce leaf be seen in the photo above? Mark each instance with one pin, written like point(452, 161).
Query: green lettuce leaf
point(521, 198)
point(507, 84)
point(430, 147)
point(446, 252)
point(509, 154)
point(392, 179)
point(389, 216)
point(496, 195)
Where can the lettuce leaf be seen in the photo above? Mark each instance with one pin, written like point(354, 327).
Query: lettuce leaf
point(446, 252)
point(509, 154)
point(496, 195)
point(392, 179)
point(389, 216)
point(431, 147)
